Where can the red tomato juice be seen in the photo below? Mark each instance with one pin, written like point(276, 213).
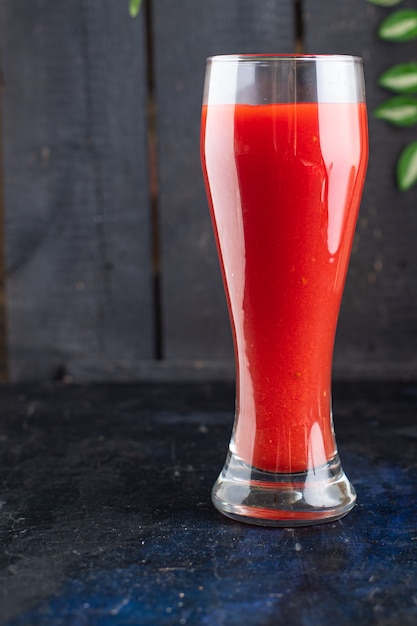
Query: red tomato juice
point(284, 183)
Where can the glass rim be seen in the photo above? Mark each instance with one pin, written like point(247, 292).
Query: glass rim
point(283, 57)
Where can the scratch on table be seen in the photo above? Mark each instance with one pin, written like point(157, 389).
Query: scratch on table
point(116, 609)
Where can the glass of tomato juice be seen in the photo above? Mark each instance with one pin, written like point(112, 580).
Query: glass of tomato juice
point(284, 151)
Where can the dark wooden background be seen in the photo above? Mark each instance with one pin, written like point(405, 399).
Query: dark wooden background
point(108, 269)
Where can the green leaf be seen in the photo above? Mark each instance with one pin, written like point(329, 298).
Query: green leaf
point(400, 78)
point(407, 167)
point(399, 26)
point(385, 3)
point(134, 7)
point(400, 111)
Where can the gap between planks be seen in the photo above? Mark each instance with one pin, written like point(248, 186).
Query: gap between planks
point(3, 320)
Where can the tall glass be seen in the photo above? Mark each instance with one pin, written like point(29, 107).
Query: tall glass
point(284, 153)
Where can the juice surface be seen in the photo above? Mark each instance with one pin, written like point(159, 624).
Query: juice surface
point(284, 183)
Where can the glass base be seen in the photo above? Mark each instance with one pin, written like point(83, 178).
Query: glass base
point(246, 494)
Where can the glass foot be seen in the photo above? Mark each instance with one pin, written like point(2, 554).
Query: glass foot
point(246, 494)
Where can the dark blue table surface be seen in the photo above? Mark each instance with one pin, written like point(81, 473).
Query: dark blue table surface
point(106, 517)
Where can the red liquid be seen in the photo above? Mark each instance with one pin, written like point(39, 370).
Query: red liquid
point(284, 184)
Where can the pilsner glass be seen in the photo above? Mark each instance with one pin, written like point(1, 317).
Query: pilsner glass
point(284, 153)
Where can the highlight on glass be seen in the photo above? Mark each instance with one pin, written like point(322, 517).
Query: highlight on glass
point(284, 151)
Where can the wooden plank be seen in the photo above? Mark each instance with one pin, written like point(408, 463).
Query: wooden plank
point(77, 215)
point(378, 324)
point(3, 328)
point(195, 322)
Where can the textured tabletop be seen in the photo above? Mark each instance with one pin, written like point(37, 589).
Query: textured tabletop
point(106, 516)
